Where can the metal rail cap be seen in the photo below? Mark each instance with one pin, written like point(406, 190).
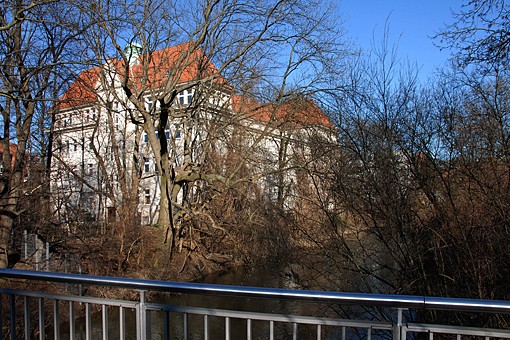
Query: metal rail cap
point(383, 300)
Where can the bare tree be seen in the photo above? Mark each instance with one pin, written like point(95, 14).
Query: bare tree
point(34, 42)
point(189, 66)
point(480, 33)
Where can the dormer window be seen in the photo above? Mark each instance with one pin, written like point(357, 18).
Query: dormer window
point(185, 97)
point(149, 104)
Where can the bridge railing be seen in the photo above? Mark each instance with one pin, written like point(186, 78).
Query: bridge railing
point(296, 314)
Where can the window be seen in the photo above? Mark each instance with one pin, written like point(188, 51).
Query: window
point(185, 97)
point(147, 195)
point(94, 114)
point(146, 138)
point(149, 104)
point(70, 119)
point(90, 169)
point(87, 116)
point(177, 131)
point(146, 167)
point(155, 166)
point(75, 146)
point(167, 134)
point(67, 146)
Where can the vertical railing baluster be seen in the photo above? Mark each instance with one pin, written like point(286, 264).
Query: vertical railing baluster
point(88, 322)
point(42, 335)
point(248, 329)
point(137, 317)
point(1, 316)
point(397, 328)
point(166, 329)
point(319, 332)
point(227, 328)
point(343, 332)
point(185, 326)
point(122, 323)
point(72, 329)
point(431, 335)
point(403, 335)
point(206, 327)
point(294, 331)
point(12, 309)
point(26, 307)
point(104, 319)
point(56, 320)
point(271, 330)
point(369, 333)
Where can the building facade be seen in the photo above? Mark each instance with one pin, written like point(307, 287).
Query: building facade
point(106, 148)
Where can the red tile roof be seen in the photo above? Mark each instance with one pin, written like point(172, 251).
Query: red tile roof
point(297, 111)
point(12, 151)
point(188, 63)
point(176, 62)
point(82, 90)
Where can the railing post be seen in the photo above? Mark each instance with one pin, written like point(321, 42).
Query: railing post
point(397, 327)
point(142, 319)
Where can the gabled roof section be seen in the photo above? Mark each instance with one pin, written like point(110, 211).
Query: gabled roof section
point(82, 90)
point(299, 111)
point(179, 64)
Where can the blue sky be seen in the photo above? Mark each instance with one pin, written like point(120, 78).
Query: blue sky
point(411, 24)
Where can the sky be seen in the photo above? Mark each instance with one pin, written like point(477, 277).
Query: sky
point(412, 23)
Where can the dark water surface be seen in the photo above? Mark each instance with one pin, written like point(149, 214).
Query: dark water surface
point(261, 276)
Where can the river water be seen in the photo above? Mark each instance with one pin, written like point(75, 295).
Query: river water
point(261, 276)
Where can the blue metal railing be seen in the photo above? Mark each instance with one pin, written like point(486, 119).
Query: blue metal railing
point(146, 319)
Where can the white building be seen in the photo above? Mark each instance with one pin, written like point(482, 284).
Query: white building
point(101, 142)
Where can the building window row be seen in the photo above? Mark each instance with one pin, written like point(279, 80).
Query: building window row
point(176, 130)
point(81, 117)
point(72, 145)
point(184, 97)
point(147, 162)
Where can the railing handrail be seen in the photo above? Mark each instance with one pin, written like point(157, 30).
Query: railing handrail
point(367, 299)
